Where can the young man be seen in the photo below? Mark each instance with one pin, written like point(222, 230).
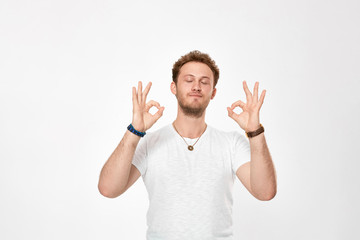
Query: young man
point(189, 167)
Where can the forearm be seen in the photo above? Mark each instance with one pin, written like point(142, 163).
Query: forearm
point(262, 170)
point(115, 173)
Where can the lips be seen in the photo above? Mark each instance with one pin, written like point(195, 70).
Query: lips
point(195, 95)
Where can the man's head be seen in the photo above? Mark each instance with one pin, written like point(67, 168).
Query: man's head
point(194, 78)
point(195, 56)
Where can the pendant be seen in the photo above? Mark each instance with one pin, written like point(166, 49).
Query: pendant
point(190, 148)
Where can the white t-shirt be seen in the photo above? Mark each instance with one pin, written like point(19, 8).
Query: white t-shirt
point(190, 192)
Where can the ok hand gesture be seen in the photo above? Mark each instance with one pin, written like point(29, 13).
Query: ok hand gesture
point(249, 118)
point(142, 118)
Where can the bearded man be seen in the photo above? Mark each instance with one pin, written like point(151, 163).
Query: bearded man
point(189, 167)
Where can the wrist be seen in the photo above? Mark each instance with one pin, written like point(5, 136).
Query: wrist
point(135, 131)
point(138, 127)
point(256, 132)
point(252, 128)
point(131, 140)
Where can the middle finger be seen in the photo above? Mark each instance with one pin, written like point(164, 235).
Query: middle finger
point(256, 87)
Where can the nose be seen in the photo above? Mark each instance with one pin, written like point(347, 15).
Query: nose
point(196, 86)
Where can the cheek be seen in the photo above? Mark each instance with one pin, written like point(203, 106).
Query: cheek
point(209, 90)
point(183, 89)
point(180, 92)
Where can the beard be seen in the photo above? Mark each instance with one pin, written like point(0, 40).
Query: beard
point(195, 110)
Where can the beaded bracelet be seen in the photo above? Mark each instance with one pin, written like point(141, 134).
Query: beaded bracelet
point(134, 131)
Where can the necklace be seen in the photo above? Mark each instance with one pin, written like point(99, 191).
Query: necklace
point(190, 147)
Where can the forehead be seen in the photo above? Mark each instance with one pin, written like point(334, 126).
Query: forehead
point(196, 69)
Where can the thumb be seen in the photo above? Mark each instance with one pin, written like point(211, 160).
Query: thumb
point(231, 113)
point(159, 113)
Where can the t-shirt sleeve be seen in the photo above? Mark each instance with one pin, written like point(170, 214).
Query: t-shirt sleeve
point(140, 156)
point(241, 151)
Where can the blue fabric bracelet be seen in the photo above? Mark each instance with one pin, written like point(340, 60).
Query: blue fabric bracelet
point(134, 131)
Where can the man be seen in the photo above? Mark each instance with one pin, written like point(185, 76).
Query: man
point(189, 167)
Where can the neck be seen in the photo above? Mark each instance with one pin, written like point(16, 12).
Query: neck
point(190, 127)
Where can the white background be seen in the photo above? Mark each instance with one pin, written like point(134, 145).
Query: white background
point(66, 72)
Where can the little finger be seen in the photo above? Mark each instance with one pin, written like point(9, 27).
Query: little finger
point(262, 96)
point(247, 92)
point(134, 95)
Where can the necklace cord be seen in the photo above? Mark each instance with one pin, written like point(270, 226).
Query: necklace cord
point(189, 146)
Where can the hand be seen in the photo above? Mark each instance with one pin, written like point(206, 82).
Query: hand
point(249, 119)
point(142, 119)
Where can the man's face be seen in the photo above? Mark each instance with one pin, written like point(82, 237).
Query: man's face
point(194, 88)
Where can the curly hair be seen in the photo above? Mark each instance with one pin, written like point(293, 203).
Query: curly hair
point(195, 56)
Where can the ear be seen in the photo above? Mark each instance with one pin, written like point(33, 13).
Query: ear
point(173, 87)
point(213, 93)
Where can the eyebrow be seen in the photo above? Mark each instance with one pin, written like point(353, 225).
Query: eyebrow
point(194, 76)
